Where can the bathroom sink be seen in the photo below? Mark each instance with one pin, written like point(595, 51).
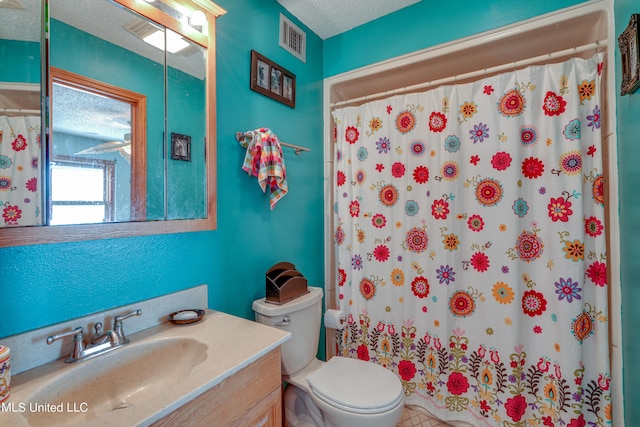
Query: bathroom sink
point(163, 370)
point(132, 375)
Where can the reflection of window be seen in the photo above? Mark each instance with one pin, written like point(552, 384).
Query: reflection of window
point(84, 191)
point(136, 130)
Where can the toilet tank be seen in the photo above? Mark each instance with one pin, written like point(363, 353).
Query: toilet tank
point(303, 322)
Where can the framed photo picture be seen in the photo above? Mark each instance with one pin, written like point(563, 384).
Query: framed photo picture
point(264, 74)
point(628, 44)
point(270, 79)
point(180, 147)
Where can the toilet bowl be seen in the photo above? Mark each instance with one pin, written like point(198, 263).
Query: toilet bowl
point(341, 392)
point(350, 392)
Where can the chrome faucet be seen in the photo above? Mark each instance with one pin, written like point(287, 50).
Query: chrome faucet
point(101, 342)
point(100, 337)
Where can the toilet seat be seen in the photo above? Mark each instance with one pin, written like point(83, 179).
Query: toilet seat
point(356, 386)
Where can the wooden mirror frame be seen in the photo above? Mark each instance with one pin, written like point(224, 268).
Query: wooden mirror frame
point(22, 236)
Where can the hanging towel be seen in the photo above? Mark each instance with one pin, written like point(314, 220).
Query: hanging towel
point(264, 160)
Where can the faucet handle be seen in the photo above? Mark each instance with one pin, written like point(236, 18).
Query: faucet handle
point(97, 328)
point(98, 337)
point(78, 342)
point(77, 332)
point(127, 315)
point(117, 324)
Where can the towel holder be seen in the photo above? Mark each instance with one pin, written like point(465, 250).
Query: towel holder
point(241, 135)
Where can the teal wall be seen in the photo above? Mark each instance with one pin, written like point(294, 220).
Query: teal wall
point(27, 54)
point(46, 284)
point(251, 236)
point(186, 112)
point(425, 24)
point(628, 117)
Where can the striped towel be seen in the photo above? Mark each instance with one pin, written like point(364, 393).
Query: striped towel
point(264, 160)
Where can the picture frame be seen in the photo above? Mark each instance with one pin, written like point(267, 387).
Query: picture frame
point(272, 80)
point(629, 54)
point(180, 147)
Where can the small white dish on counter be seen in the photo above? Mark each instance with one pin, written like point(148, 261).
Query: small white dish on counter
point(185, 317)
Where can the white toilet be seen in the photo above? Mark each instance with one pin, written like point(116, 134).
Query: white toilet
point(342, 392)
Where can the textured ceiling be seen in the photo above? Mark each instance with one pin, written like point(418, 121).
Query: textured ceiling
point(327, 18)
point(20, 20)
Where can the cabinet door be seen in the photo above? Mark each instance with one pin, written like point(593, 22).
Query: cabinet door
point(250, 397)
point(266, 413)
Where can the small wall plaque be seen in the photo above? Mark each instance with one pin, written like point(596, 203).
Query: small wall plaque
point(628, 44)
point(180, 147)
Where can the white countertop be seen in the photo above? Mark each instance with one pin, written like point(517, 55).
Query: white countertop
point(232, 344)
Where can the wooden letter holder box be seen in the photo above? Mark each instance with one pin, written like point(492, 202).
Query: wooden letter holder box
point(284, 283)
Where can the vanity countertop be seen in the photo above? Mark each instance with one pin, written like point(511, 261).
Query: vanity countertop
point(232, 344)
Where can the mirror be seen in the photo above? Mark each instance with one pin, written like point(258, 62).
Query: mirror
point(130, 144)
point(113, 63)
point(20, 120)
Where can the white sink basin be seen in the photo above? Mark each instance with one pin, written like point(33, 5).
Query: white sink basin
point(132, 375)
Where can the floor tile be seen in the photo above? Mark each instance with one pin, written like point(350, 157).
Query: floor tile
point(413, 418)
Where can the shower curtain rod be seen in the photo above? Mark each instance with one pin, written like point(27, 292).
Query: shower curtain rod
point(26, 87)
point(19, 111)
point(510, 66)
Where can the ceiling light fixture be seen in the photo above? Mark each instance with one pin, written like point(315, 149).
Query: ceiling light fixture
point(175, 42)
point(198, 19)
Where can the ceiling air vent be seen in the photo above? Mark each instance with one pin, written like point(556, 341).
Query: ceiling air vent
point(140, 28)
point(293, 39)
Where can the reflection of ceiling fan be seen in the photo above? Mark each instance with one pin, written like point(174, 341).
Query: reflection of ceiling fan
point(123, 147)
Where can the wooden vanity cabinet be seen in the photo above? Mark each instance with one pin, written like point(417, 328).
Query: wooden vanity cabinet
point(252, 397)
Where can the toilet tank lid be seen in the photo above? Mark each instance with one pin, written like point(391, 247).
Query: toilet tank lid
point(268, 309)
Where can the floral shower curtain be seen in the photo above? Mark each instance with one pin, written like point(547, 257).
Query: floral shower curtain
point(19, 170)
point(470, 246)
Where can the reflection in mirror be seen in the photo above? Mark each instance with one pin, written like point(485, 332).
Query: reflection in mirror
point(186, 111)
point(20, 122)
point(126, 52)
point(99, 126)
point(109, 67)
point(90, 170)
